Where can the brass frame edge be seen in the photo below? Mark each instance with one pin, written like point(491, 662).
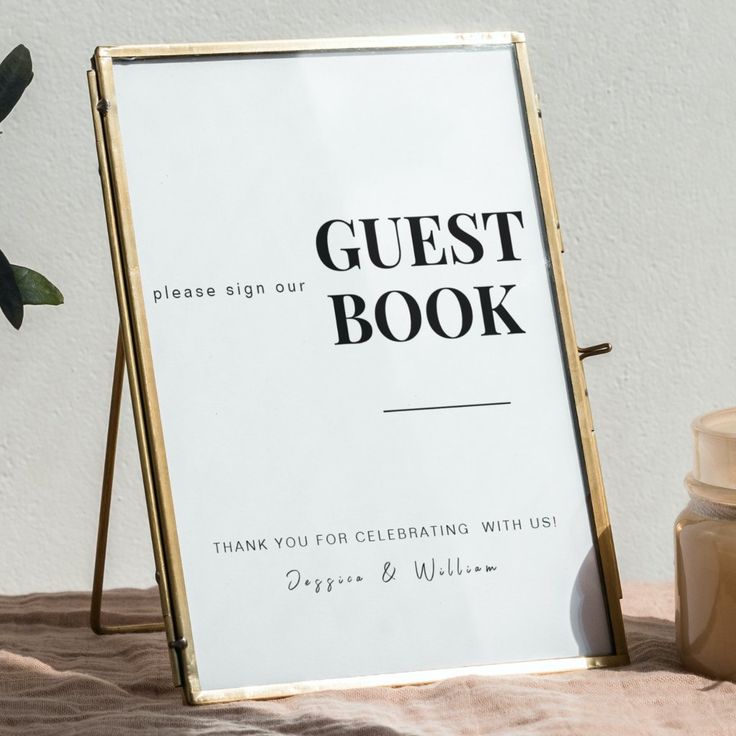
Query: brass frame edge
point(128, 346)
point(138, 346)
point(397, 679)
point(348, 43)
point(140, 365)
point(592, 468)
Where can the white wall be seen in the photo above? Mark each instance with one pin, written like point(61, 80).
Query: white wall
point(639, 114)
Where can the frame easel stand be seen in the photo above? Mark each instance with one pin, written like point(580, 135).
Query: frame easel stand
point(103, 526)
point(105, 503)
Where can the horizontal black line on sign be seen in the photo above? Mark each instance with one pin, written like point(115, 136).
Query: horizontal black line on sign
point(449, 406)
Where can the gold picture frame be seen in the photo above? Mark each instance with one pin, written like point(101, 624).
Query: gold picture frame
point(134, 350)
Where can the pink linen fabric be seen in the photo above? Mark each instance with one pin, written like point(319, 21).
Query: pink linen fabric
point(57, 677)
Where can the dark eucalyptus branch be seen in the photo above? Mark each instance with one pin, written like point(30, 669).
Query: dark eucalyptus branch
point(16, 73)
point(19, 285)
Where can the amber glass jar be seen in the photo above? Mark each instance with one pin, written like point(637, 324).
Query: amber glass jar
point(705, 551)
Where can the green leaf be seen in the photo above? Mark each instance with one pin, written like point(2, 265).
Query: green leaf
point(11, 302)
point(16, 73)
point(35, 288)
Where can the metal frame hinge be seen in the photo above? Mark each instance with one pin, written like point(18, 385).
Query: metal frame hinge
point(178, 644)
point(103, 107)
point(600, 349)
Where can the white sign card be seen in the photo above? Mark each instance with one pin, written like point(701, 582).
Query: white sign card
point(372, 438)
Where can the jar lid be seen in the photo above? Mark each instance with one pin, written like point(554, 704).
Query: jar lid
point(714, 438)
